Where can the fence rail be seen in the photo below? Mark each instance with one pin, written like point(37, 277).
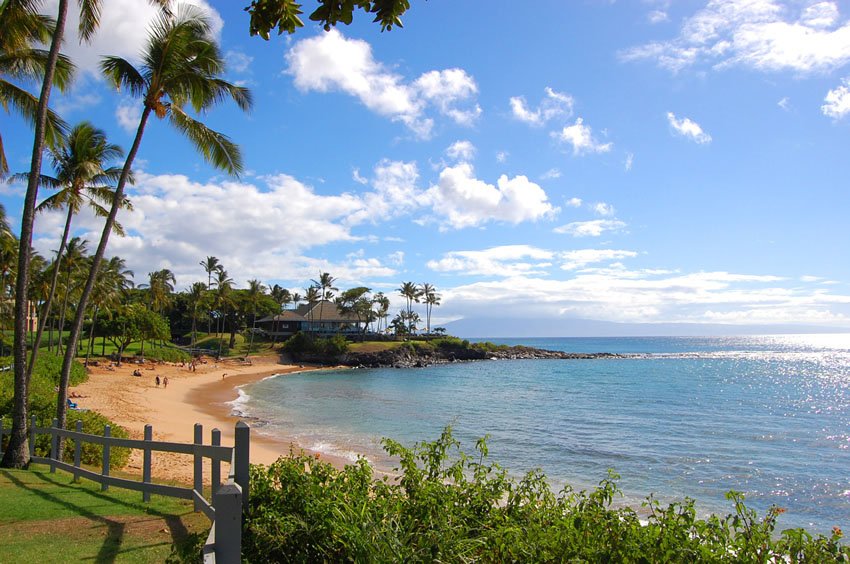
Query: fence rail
point(229, 500)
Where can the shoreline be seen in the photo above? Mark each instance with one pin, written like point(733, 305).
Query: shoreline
point(201, 397)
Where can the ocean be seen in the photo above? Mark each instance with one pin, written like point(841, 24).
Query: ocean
point(679, 417)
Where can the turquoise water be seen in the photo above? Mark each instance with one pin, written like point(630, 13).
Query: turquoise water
point(696, 417)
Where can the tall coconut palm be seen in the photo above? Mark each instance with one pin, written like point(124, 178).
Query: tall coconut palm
point(75, 259)
point(195, 298)
point(325, 284)
point(281, 297)
point(383, 307)
point(411, 293)
point(113, 281)
point(23, 29)
point(210, 266)
point(83, 174)
point(181, 65)
point(160, 286)
point(312, 296)
point(223, 289)
point(431, 298)
point(256, 290)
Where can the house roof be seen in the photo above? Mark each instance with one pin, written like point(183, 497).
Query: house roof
point(324, 311)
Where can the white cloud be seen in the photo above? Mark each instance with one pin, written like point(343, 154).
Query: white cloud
point(581, 138)
point(601, 208)
point(355, 175)
point(784, 103)
point(837, 102)
point(574, 202)
point(766, 35)
point(593, 228)
point(620, 294)
point(583, 257)
point(237, 61)
point(686, 127)
point(395, 192)
point(70, 103)
point(630, 159)
point(657, 16)
point(123, 30)
point(128, 113)
point(502, 156)
point(461, 150)
point(465, 201)
point(551, 174)
point(331, 62)
point(396, 258)
point(508, 260)
point(555, 104)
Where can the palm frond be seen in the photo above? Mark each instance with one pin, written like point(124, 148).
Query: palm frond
point(4, 164)
point(29, 65)
point(122, 74)
point(217, 149)
point(90, 11)
point(26, 105)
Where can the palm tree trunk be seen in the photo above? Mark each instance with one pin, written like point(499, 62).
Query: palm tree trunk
point(17, 453)
point(91, 336)
point(76, 328)
point(47, 304)
point(64, 310)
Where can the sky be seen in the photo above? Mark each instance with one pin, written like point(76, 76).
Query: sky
point(635, 161)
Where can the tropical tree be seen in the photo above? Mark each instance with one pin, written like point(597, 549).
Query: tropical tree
point(326, 287)
point(82, 176)
point(431, 298)
point(312, 296)
point(282, 297)
point(411, 293)
point(255, 291)
point(267, 15)
point(210, 265)
point(355, 301)
point(113, 281)
point(160, 287)
point(195, 297)
point(222, 301)
point(181, 65)
point(75, 259)
point(382, 308)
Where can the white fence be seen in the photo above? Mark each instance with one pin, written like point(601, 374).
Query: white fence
point(229, 500)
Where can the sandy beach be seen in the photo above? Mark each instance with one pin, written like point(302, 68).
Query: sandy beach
point(191, 397)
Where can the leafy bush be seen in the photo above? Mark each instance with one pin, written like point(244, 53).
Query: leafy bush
point(447, 506)
point(302, 345)
point(92, 453)
point(168, 354)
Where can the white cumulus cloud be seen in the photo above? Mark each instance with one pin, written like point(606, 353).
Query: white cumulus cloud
point(555, 104)
point(461, 150)
point(581, 138)
point(331, 62)
point(582, 257)
point(592, 228)
point(767, 35)
point(507, 260)
point(462, 200)
point(837, 102)
point(686, 127)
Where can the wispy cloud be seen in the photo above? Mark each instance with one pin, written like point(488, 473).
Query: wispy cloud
point(555, 104)
point(688, 128)
point(592, 228)
point(837, 102)
point(580, 137)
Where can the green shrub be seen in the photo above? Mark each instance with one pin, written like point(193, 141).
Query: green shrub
point(45, 378)
point(301, 345)
point(446, 506)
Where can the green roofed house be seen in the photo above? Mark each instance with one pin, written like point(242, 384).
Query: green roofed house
point(323, 318)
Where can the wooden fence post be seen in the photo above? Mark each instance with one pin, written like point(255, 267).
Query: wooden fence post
point(54, 445)
point(146, 463)
point(107, 433)
point(198, 483)
point(216, 464)
point(78, 450)
point(242, 448)
point(228, 524)
point(32, 436)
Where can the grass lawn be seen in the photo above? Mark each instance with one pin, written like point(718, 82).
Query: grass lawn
point(374, 346)
point(45, 517)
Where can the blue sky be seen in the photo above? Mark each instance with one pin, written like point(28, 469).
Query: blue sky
point(632, 161)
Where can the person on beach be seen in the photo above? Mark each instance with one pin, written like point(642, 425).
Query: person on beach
point(157, 380)
point(165, 382)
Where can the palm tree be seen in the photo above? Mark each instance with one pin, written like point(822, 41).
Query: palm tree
point(75, 258)
point(255, 291)
point(180, 65)
point(82, 174)
point(113, 281)
point(195, 297)
point(431, 298)
point(160, 287)
point(383, 303)
point(223, 288)
point(411, 293)
point(282, 297)
point(22, 29)
point(325, 284)
point(210, 265)
point(312, 295)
